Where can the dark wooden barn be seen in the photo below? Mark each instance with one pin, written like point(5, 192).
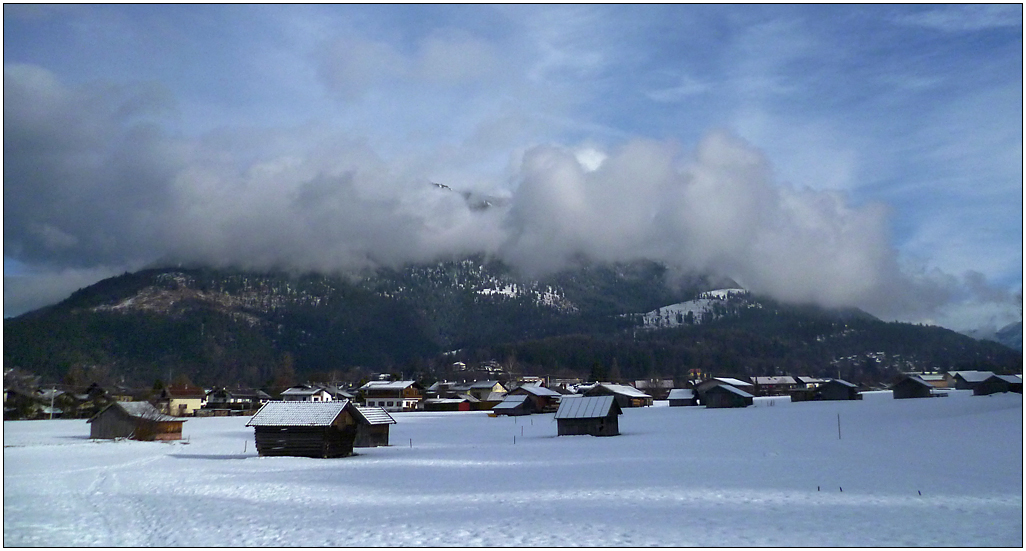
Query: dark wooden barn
point(682, 397)
point(592, 415)
point(911, 386)
point(134, 420)
point(305, 429)
point(998, 383)
point(837, 389)
point(726, 396)
point(372, 427)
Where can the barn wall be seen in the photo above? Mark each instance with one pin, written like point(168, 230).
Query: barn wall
point(111, 423)
point(305, 441)
point(369, 436)
point(602, 426)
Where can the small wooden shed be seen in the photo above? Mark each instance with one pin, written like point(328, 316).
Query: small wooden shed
point(134, 420)
point(372, 426)
point(682, 397)
point(305, 429)
point(837, 389)
point(911, 386)
point(726, 396)
point(592, 415)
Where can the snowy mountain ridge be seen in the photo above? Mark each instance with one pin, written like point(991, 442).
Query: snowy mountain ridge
point(704, 308)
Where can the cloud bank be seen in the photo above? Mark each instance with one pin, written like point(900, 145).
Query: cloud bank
point(94, 182)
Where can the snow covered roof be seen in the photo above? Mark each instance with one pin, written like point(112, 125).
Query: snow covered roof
point(842, 382)
point(302, 391)
point(730, 388)
point(538, 390)
point(375, 416)
point(1010, 379)
point(483, 384)
point(782, 380)
point(972, 376)
point(297, 414)
point(625, 390)
point(141, 410)
point(731, 381)
point(586, 407)
point(681, 394)
point(387, 385)
point(511, 402)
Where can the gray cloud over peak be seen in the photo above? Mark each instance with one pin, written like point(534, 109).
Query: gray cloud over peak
point(94, 182)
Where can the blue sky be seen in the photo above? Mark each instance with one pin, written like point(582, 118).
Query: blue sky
point(857, 155)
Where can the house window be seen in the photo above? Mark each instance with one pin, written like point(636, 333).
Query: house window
point(390, 403)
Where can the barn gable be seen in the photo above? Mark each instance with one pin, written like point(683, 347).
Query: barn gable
point(305, 429)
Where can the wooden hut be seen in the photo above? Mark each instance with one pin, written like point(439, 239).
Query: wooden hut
point(837, 389)
point(911, 386)
point(305, 429)
point(726, 396)
point(998, 383)
point(371, 427)
point(464, 403)
point(134, 420)
point(593, 415)
point(515, 404)
point(682, 397)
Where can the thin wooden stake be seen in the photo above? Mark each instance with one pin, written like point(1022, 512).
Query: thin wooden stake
point(838, 426)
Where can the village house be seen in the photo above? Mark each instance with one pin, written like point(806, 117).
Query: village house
point(487, 390)
point(626, 396)
point(911, 386)
point(306, 393)
point(837, 389)
point(305, 429)
point(774, 386)
point(134, 420)
point(181, 400)
point(682, 397)
point(392, 395)
point(238, 400)
point(727, 396)
point(804, 381)
point(588, 415)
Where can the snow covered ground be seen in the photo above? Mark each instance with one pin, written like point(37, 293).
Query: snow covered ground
point(923, 472)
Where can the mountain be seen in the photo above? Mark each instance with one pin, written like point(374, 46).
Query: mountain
point(629, 320)
point(1009, 335)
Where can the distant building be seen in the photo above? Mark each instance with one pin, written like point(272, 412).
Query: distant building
point(136, 421)
point(727, 396)
point(682, 397)
point(969, 380)
point(998, 383)
point(543, 399)
point(306, 393)
point(837, 389)
point(706, 385)
point(911, 386)
point(392, 395)
point(591, 415)
point(181, 400)
point(774, 386)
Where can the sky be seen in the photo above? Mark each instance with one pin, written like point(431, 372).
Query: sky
point(866, 156)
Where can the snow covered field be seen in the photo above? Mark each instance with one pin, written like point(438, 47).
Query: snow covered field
point(921, 472)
